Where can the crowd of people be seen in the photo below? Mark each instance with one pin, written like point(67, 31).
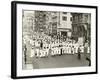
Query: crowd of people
point(48, 46)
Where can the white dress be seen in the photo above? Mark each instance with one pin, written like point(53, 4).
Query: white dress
point(52, 51)
point(32, 53)
point(73, 50)
point(46, 52)
point(69, 49)
point(76, 48)
point(63, 50)
point(66, 50)
point(82, 49)
point(89, 50)
point(36, 44)
point(41, 53)
point(57, 51)
point(38, 52)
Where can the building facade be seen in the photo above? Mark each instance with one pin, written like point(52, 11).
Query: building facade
point(81, 25)
point(65, 24)
point(40, 21)
point(49, 22)
point(28, 22)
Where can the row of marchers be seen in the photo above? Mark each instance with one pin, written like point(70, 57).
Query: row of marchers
point(53, 50)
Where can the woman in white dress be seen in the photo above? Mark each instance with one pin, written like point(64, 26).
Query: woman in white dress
point(66, 49)
point(52, 51)
point(41, 53)
point(32, 52)
point(37, 52)
point(69, 49)
point(76, 47)
point(72, 50)
point(53, 48)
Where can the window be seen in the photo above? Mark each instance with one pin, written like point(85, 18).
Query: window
point(64, 12)
point(86, 18)
point(71, 18)
point(55, 17)
point(64, 18)
point(44, 15)
point(54, 24)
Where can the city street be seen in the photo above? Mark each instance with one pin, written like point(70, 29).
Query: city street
point(49, 33)
point(58, 62)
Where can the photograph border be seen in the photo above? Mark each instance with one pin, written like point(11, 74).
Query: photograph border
point(14, 38)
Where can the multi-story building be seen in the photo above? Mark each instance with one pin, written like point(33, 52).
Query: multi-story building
point(28, 22)
point(48, 22)
point(59, 23)
point(54, 22)
point(81, 25)
point(65, 24)
point(51, 22)
point(40, 21)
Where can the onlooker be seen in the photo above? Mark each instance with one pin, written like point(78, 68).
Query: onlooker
point(79, 53)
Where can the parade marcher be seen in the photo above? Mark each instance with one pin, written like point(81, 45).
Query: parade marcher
point(66, 49)
point(32, 52)
point(86, 52)
point(52, 51)
point(46, 51)
point(41, 53)
point(69, 49)
point(63, 50)
point(58, 50)
point(76, 47)
point(55, 51)
point(52, 48)
point(25, 56)
point(36, 43)
point(82, 48)
point(72, 50)
point(79, 53)
point(41, 44)
point(37, 52)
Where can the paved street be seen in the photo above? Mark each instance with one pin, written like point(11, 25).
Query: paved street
point(58, 62)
